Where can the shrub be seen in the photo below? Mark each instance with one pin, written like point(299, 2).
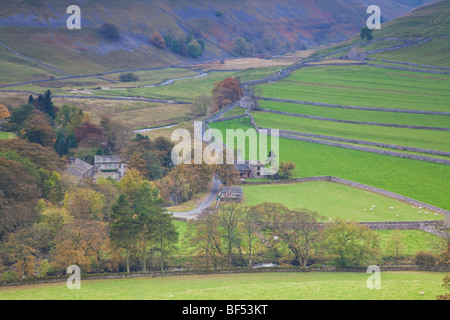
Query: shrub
point(219, 14)
point(9, 276)
point(425, 260)
point(110, 31)
point(127, 77)
point(194, 49)
point(158, 40)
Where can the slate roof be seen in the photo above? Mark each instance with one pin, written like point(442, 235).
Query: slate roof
point(107, 159)
point(79, 167)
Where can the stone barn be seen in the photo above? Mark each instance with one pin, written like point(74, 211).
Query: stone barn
point(357, 54)
point(232, 194)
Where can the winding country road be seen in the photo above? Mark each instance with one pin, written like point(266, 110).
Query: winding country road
point(205, 203)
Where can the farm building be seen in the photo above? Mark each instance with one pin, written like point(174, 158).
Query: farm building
point(79, 168)
point(357, 54)
point(232, 194)
point(247, 102)
point(109, 166)
point(251, 170)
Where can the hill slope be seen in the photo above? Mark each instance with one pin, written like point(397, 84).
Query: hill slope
point(37, 28)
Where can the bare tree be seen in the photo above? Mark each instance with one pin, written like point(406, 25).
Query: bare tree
point(300, 230)
point(229, 216)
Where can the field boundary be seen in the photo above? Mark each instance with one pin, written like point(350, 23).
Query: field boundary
point(299, 115)
point(116, 276)
point(329, 105)
point(370, 143)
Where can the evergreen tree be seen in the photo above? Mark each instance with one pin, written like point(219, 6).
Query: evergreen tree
point(71, 142)
point(123, 227)
point(49, 108)
point(60, 143)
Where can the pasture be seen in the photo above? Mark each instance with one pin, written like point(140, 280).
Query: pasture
point(247, 286)
point(333, 200)
point(364, 86)
point(428, 139)
point(420, 180)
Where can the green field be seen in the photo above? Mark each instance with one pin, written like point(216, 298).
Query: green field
point(429, 139)
point(7, 135)
point(420, 180)
point(333, 200)
point(364, 86)
point(259, 286)
point(413, 241)
point(409, 119)
point(429, 53)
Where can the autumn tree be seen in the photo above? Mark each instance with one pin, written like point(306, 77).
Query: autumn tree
point(86, 244)
point(446, 285)
point(37, 129)
point(227, 173)
point(21, 254)
point(226, 91)
point(157, 40)
point(285, 171)
point(89, 135)
point(19, 195)
point(84, 203)
point(43, 157)
point(4, 112)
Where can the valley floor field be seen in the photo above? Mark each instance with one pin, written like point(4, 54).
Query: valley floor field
point(248, 286)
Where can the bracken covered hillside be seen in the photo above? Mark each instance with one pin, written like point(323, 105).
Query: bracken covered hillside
point(37, 28)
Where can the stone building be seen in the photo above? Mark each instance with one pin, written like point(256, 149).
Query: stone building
point(251, 170)
point(247, 102)
point(232, 194)
point(79, 168)
point(357, 54)
point(109, 166)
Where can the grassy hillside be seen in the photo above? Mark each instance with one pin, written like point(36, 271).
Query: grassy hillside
point(37, 28)
point(430, 21)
